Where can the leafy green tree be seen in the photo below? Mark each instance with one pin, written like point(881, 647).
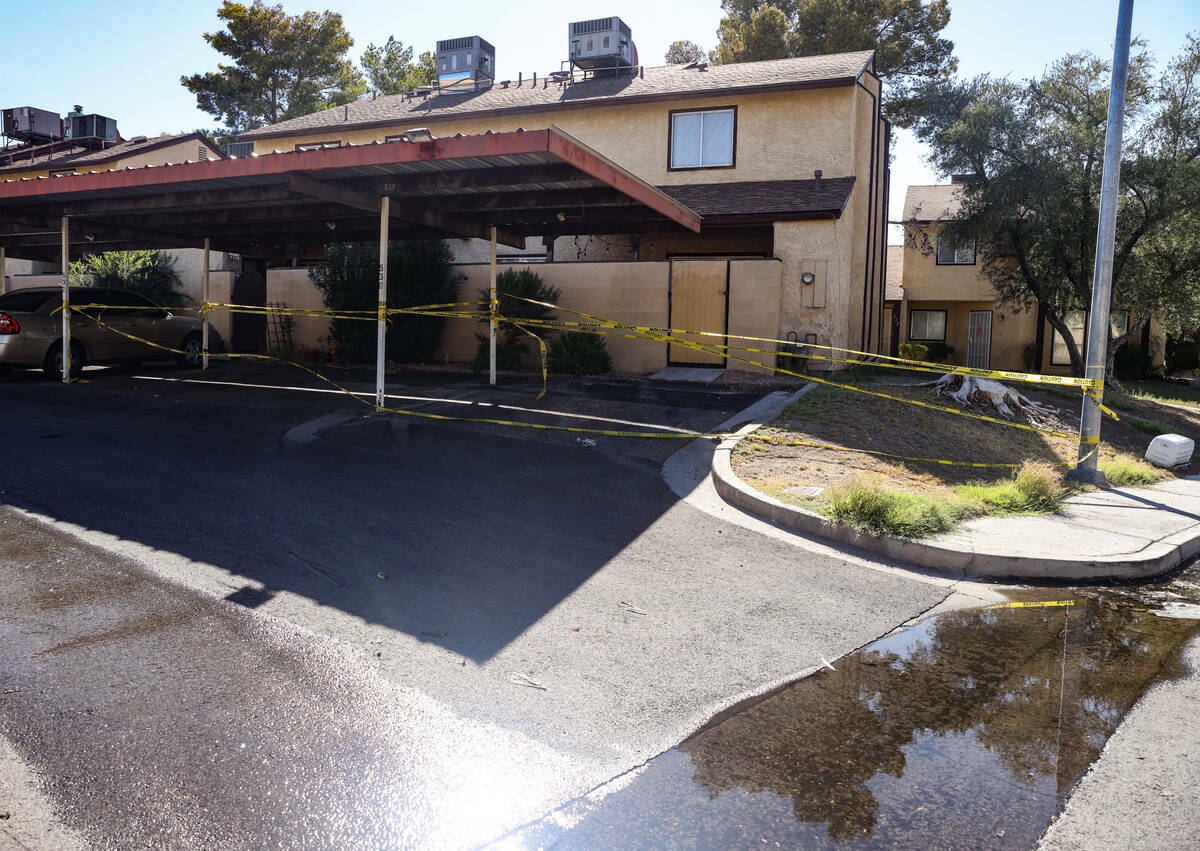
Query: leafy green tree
point(148, 273)
point(282, 66)
point(513, 287)
point(1035, 151)
point(684, 52)
point(419, 273)
point(905, 35)
point(390, 68)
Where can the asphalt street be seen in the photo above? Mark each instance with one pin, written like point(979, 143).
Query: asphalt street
point(244, 616)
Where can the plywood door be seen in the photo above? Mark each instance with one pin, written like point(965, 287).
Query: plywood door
point(699, 291)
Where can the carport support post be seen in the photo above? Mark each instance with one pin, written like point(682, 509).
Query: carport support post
point(204, 310)
point(3, 272)
point(66, 294)
point(385, 204)
point(492, 308)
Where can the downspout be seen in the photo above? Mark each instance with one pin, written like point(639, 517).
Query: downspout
point(871, 208)
point(887, 201)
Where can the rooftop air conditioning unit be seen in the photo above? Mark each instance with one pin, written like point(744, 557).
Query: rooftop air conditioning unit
point(601, 43)
point(30, 124)
point(465, 63)
point(92, 127)
point(237, 150)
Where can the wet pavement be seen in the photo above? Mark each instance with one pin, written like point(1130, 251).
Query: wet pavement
point(968, 729)
point(213, 638)
point(230, 620)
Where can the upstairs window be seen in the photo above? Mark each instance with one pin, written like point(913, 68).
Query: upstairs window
point(703, 139)
point(955, 250)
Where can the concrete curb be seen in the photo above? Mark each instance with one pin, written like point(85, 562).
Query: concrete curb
point(1156, 559)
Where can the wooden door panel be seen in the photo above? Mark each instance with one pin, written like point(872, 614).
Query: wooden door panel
point(699, 289)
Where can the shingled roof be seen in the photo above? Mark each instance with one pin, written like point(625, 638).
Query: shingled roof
point(65, 155)
point(670, 81)
point(764, 200)
point(932, 203)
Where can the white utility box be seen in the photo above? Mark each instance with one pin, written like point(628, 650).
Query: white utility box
point(1170, 450)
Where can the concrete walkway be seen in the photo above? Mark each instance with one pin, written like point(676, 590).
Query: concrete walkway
point(1150, 530)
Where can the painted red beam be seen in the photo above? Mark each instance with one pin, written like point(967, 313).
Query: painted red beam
point(193, 176)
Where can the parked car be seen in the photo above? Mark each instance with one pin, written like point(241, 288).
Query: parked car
point(31, 330)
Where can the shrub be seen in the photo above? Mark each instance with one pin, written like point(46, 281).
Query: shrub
point(939, 352)
point(577, 353)
point(1183, 355)
point(914, 351)
point(419, 272)
point(1132, 362)
point(1128, 471)
point(1040, 484)
point(1035, 487)
point(512, 344)
point(868, 506)
point(148, 273)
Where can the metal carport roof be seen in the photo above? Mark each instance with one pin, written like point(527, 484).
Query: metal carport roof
point(524, 183)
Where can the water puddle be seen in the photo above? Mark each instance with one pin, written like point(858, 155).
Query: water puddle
point(969, 729)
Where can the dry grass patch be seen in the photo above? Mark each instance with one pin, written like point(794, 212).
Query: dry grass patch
point(867, 486)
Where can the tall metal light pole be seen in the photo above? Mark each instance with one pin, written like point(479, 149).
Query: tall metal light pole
point(1097, 341)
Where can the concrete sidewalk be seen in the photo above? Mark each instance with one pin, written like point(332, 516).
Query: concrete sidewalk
point(1105, 534)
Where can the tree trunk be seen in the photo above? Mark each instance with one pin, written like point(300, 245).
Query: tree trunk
point(1114, 344)
point(1073, 351)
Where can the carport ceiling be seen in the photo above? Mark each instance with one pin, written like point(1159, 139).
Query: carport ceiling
point(524, 183)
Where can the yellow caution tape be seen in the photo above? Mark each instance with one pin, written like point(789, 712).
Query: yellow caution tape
point(575, 430)
point(610, 432)
point(1034, 605)
point(876, 359)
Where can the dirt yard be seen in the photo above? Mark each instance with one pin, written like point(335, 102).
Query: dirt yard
point(869, 424)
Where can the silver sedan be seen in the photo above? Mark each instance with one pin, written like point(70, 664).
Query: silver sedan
point(31, 330)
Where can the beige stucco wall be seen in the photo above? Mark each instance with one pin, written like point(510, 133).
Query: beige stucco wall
point(824, 249)
point(925, 280)
point(780, 135)
point(634, 293)
point(1012, 331)
point(293, 288)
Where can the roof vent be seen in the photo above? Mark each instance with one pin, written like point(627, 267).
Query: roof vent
point(601, 44)
point(137, 140)
point(465, 64)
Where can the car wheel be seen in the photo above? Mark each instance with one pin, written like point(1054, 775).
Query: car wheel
point(193, 351)
point(53, 363)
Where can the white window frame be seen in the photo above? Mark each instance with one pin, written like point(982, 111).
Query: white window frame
point(672, 165)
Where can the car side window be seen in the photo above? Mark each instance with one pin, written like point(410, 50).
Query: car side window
point(131, 304)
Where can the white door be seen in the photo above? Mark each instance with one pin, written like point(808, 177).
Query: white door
point(979, 339)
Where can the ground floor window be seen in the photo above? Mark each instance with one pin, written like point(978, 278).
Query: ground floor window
point(1077, 322)
point(927, 325)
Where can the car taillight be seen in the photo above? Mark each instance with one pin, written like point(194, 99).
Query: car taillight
point(8, 325)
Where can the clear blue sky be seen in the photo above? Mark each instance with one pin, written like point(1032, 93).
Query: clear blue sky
point(124, 59)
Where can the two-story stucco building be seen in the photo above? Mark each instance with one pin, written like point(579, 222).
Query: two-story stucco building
point(785, 161)
point(944, 299)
